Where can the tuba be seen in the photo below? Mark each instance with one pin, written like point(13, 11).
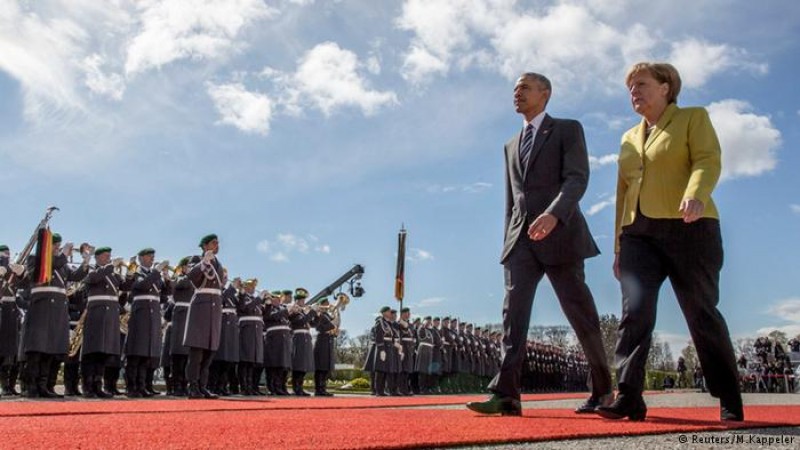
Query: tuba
point(76, 341)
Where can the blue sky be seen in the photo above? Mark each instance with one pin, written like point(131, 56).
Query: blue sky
point(304, 132)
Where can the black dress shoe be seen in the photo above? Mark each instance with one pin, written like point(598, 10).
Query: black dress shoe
point(207, 394)
point(630, 406)
point(591, 404)
point(731, 410)
point(496, 404)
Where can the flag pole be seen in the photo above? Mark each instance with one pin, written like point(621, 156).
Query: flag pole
point(399, 280)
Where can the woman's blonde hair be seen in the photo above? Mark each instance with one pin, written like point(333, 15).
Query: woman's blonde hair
point(661, 72)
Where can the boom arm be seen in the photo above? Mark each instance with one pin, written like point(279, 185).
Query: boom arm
point(354, 273)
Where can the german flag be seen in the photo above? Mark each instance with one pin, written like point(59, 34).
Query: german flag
point(400, 277)
point(43, 270)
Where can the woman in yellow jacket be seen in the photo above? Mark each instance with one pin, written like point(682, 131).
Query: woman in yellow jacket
point(668, 227)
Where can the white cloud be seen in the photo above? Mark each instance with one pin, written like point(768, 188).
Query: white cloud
point(190, 29)
point(748, 141)
point(108, 85)
point(697, 61)
point(473, 188)
point(428, 302)
point(418, 254)
point(677, 342)
point(328, 78)
point(795, 208)
point(248, 111)
point(286, 244)
point(596, 162)
point(788, 309)
point(599, 206)
point(579, 46)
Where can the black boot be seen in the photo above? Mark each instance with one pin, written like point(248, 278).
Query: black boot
point(98, 388)
point(13, 373)
point(631, 406)
point(88, 388)
point(194, 392)
point(131, 382)
point(148, 383)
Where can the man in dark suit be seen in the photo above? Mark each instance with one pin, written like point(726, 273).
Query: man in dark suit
point(547, 170)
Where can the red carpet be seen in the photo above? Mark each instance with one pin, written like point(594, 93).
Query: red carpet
point(40, 408)
point(357, 428)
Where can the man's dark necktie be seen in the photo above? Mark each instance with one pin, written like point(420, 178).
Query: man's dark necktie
point(526, 146)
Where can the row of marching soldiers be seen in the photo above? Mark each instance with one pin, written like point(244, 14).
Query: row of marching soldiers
point(209, 335)
point(429, 355)
point(433, 355)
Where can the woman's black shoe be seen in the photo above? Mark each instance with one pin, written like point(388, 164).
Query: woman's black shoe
point(630, 406)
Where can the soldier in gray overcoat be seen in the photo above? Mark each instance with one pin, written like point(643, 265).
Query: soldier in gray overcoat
point(324, 356)
point(251, 337)
point(204, 321)
point(182, 293)
point(277, 341)
point(101, 322)
point(10, 323)
point(222, 373)
point(300, 320)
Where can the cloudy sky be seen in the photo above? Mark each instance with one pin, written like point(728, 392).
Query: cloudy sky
point(305, 132)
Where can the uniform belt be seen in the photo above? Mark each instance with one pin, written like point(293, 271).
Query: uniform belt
point(230, 311)
point(184, 304)
point(212, 291)
point(278, 328)
point(426, 344)
point(301, 331)
point(73, 323)
point(98, 298)
point(387, 339)
point(251, 319)
point(153, 298)
point(408, 339)
point(55, 290)
point(7, 300)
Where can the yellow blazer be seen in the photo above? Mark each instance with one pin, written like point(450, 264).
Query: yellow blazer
point(680, 159)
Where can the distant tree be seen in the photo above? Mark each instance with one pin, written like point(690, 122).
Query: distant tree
point(342, 347)
point(689, 354)
point(744, 347)
point(558, 335)
point(778, 336)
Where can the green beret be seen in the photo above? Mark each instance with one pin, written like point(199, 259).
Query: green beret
point(435, 319)
point(147, 251)
point(416, 320)
point(300, 293)
point(405, 309)
point(427, 318)
point(100, 250)
point(447, 318)
point(393, 311)
point(207, 238)
point(287, 292)
point(184, 261)
point(276, 293)
point(385, 308)
point(3, 248)
point(56, 238)
point(325, 301)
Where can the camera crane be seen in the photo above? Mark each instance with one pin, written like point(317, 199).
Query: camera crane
point(351, 277)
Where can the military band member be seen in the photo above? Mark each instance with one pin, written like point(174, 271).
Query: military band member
point(414, 377)
point(101, 324)
point(438, 354)
point(143, 343)
point(222, 373)
point(10, 323)
point(447, 354)
point(369, 361)
point(45, 329)
point(76, 305)
point(278, 342)
point(182, 292)
point(204, 320)
point(251, 338)
point(301, 319)
point(407, 342)
point(397, 357)
point(324, 356)
point(114, 364)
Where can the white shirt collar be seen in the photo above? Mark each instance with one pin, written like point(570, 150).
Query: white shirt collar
point(536, 121)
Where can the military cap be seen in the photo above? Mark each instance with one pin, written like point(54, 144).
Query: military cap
point(56, 238)
point(417, 320)
point(324, 301)
point(300, 293)
point(446, 318)
point(385, 308)
point(286, 292)
point(207, 238)
point(101, 250)
point(435, 319)
point(427, 318)
point(147, 251)
point(184, 261)
point(405, 309)
point(251, 281)
point(276, 293)
point(3, 248)
point(393, 311)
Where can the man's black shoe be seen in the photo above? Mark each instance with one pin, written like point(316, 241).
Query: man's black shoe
point(496, 404)
point(630, 406)
point(730, 409)
point(593, 402)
